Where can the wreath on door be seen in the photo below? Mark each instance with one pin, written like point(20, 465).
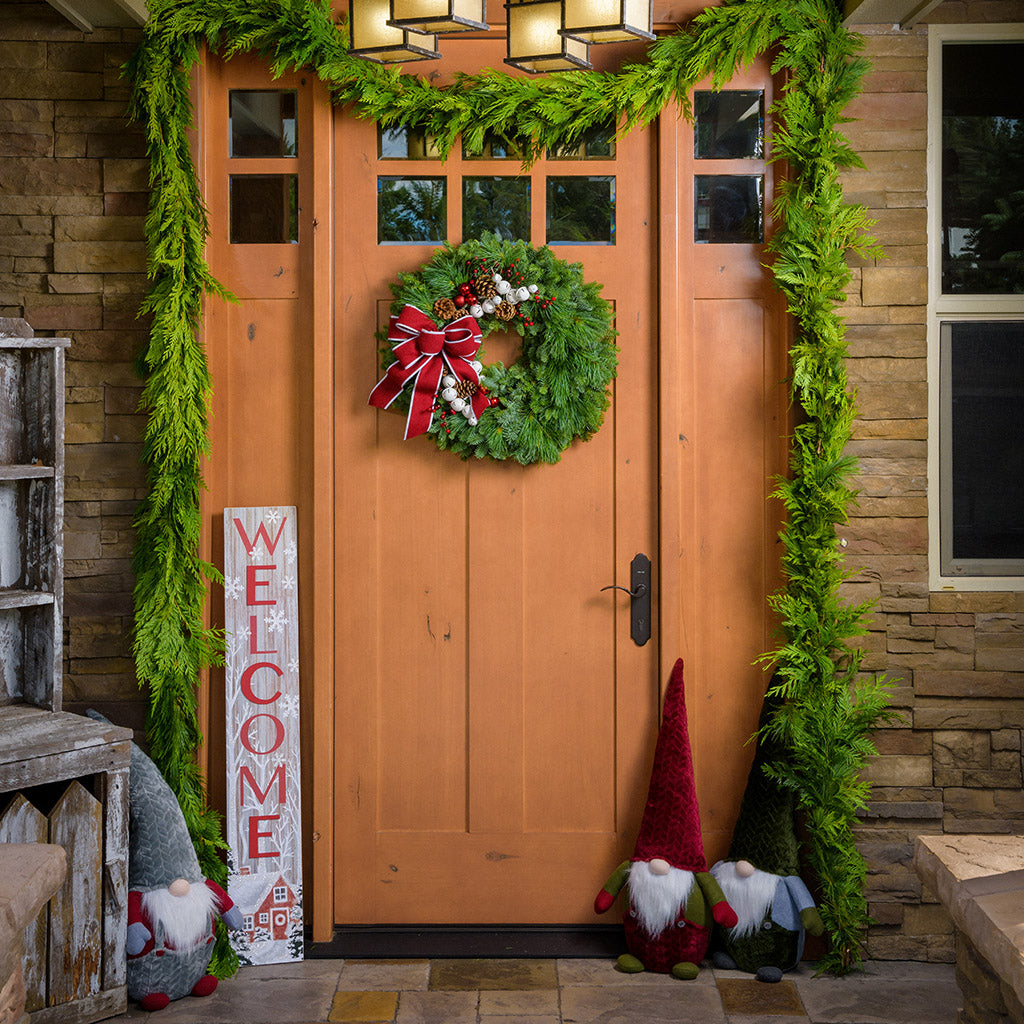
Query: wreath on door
point(531, 411)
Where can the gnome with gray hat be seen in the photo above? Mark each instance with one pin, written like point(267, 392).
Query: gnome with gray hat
point(760, 877)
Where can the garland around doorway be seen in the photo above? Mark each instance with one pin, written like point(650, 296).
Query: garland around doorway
point(828, 709)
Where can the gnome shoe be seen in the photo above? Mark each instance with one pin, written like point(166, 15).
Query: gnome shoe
point(685, 971)
point(204, 986)
point(154, 1001)
point(723, 961)
point(629, 964)
point(770, 974)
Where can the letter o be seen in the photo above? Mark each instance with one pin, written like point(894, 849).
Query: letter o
point(243, 734)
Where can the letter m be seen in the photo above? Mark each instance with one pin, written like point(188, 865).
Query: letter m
point(245, 775)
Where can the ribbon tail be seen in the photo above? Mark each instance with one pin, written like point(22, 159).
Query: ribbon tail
point(424, 393)
point(390, 386)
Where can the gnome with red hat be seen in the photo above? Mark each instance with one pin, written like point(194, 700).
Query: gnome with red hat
point(673, 900)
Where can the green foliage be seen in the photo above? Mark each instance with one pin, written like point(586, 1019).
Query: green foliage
point(828, 712)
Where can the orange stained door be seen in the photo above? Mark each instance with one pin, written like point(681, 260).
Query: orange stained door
point(494, 716)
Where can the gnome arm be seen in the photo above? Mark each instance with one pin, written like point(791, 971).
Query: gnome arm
point(804, 903)
point(612, 888)
point(720, 909)
point(229, 913)
point(139, 936)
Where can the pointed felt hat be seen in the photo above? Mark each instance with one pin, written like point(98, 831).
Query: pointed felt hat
point(765, 832)
point(670, 829)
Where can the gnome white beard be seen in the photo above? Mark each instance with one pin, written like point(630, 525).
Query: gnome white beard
point(658, 900)
point(185, 919)
point(750, 897)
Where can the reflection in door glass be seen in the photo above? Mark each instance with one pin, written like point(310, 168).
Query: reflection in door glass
point(729, 124)
point(401, 143)
point(500, 205)
point(595, 144)
point(261, 122)
point(263, 208)
point(728, 208)
point(581, 210)
point(411, 209)
point(494, 148)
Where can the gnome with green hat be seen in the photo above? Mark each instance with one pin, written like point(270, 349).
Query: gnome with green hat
point(760, 877)
point(171, 906)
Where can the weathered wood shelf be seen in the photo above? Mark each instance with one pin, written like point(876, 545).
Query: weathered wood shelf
point(24, 598)
point(26, 472)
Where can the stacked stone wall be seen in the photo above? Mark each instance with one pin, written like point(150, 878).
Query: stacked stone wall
point(953, 762)
point(73, 194)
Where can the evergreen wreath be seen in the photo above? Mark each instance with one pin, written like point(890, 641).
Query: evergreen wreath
point(558, 389)
point(829, 709)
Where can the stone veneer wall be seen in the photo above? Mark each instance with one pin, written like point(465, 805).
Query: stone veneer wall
point(954, 764)
point(73, 192)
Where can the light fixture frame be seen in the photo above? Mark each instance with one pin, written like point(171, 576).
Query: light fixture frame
point(608, 32)
point(400, 51)
point(447, 24)
point(524, 62)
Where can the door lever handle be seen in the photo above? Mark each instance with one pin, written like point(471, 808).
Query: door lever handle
point(639, 597)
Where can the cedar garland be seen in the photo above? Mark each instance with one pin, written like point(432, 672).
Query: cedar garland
point(824, 727)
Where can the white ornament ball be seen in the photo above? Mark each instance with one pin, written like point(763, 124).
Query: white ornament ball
point(503, 286)
point(449, 394)
point(496, 301)
point(477, 365)
point(458, 405)
point(472, 420)
point(511, 298)
point(487, 306)
point(448, 381)
point(496, 278)
point(522, 294)
point(533, 289)
point(476, 310)
point(468, 411)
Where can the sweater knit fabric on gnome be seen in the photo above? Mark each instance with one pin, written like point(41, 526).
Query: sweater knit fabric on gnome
point(670, 828)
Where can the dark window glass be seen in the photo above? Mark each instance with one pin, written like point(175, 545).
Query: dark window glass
point(729, 124)
point(403, 143)
point(595, 144)
point(411, 209)
point(264, 208)
point(982, 442)
point(982, 169)
point(501, 205)
point(728, 208)
point(494, 148)
point(261, 123)
point(581, 210)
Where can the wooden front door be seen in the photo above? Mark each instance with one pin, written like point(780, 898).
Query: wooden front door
point(494, 716)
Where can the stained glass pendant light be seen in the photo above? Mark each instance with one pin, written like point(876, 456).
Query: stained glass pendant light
point(372, 37)
point(439, 15)
point(607, 21)
point(535, 42)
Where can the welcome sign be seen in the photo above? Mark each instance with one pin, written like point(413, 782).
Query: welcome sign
point(264, 813)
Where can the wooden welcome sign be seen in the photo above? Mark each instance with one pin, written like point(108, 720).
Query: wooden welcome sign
point(264, 819)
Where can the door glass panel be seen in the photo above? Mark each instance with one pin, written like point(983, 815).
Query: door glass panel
point(411, 209)
point(596, 144)
point(494, 148)
point(264, 208)
point(261, 122)
point(982, 161)
point(581, 210)
point(500, 205)
point(401, 143)
point(728, 208)
point(729, 125)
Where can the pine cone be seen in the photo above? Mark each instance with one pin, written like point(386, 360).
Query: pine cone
point(484, 287)
point(506, 311)
point(445, 309)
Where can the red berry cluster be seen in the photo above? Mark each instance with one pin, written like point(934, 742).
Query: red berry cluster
point(465, 296)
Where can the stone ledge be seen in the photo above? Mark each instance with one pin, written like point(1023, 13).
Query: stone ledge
point(980, 881)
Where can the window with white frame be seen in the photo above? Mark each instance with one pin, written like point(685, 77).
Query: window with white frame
point(976, 307)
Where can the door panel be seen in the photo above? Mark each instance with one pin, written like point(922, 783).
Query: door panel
point(494, 714)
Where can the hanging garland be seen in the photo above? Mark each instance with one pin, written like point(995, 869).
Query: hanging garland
point(829, 711)
point(531, 411)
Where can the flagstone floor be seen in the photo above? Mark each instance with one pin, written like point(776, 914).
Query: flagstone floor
point(562, 992)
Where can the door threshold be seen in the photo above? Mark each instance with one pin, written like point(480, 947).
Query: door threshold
point(370, 942)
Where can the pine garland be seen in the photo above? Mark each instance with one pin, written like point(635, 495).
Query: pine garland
point(824, 727)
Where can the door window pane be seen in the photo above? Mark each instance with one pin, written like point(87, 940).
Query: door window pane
point(981, 437)
point(729, 125)
point(494, 148)
point(261, 123)
point(401, 143)
point(982, 169)
point(501, 205)
point(264, 208)
point(581, 210)
point(411, 209)
point(596, 144)
point(728, 208)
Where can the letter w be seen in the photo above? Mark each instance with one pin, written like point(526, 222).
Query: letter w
point(260, 532)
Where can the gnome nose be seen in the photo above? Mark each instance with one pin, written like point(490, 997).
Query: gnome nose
point(179, 887)
point(658, 866)
point(744, 868)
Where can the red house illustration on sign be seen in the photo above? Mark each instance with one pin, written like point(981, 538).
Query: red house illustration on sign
point(266, 902)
